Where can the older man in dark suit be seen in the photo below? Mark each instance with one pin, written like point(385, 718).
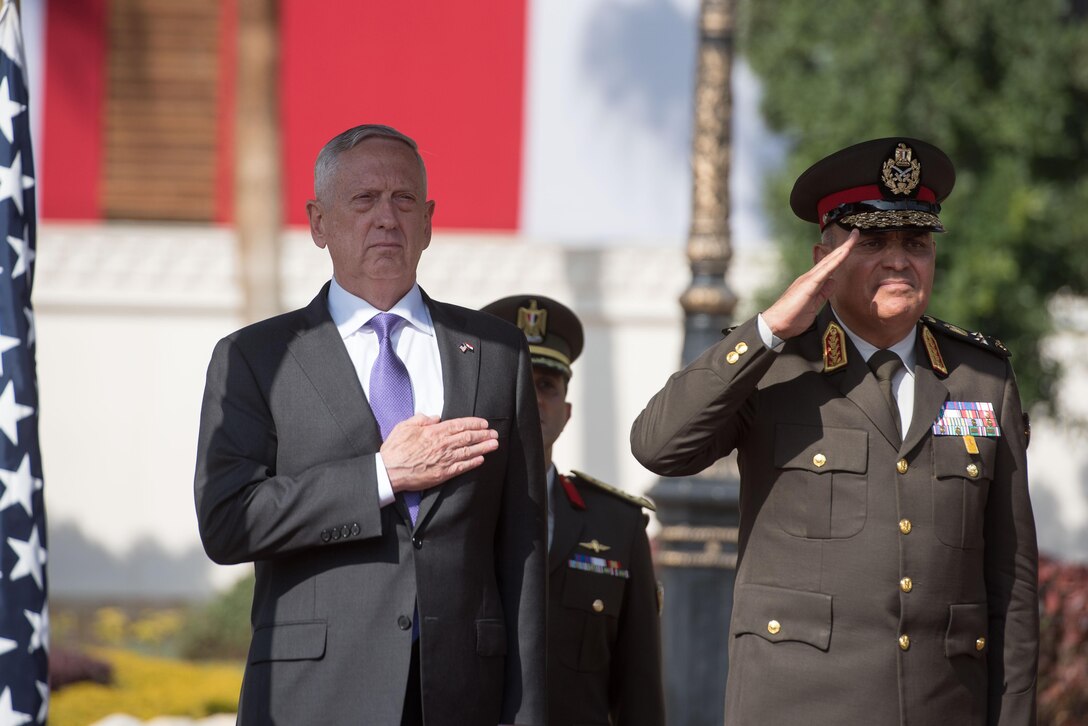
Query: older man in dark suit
point(887, 570)
point(377, 456)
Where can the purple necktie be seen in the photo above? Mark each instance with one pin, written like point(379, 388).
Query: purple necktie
point(391, 389)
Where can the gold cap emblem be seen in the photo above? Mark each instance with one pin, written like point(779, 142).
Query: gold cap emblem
point(533, 321)
point(902, 171)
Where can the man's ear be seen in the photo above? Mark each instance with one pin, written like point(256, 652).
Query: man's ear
point(317, 219)
point(819, 251)
point(430, 218)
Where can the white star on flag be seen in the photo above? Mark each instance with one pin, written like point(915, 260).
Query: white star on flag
point(7, 645)
point(8, 715)
point(23, 254)
point(8, 111)
point(32, 557)
point(11, 413)
point(6, 343)
point(13, 182)
point(19, 486)
point(39, 622)
point(43, 691)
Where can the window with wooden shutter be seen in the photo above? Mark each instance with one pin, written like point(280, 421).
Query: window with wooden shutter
point(161, 110)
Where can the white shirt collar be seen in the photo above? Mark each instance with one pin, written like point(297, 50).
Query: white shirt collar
point(904, 348)
point(350, 312)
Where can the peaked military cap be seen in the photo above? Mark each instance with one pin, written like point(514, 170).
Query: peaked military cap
point(893, 183)
point(553, 330)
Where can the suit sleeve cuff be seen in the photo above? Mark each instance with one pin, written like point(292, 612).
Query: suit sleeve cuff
point(770, 340)
point(385, 487)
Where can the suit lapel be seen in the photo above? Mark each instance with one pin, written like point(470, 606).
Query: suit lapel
point(320, 352)
point(929, 393)
point(460, 376)
point(567, 529)
point(857, 383)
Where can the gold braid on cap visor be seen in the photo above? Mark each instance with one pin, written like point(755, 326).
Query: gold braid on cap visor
point(896, 218)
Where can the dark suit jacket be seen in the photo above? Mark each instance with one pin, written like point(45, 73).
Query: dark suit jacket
point(836, 512)
point(286, 479)
point(604, 633)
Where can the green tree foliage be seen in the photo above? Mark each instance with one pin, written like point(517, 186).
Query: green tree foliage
point(1001, 86)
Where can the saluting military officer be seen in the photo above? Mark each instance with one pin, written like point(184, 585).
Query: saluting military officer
point(604, 642)
point(887, 569)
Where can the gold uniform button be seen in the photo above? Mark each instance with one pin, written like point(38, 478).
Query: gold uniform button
point(904, 642)
point(906, 584)
point(819, 460)
point(905, 526)
point(980, 644)
point(773, 627)
point(901, 466)
point(741, 348)
point(972, 470)
point(598, 606)
point(732, 357)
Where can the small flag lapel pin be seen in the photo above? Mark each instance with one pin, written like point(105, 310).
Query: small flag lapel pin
point(466, 347)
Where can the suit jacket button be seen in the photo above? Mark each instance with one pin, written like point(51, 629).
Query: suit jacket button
point(598, 606)
point(325, 535)
point(335, 533)
point(417, 542)
point(404, 622)
point(355, 528)
point(345, 531)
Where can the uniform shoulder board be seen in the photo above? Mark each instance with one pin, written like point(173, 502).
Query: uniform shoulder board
point(979, 340)
point(730, 329)
point(644, 502)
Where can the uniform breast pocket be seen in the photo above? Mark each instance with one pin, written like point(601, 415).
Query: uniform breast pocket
point(821, 491)
point(961, 485)
point(591, 608)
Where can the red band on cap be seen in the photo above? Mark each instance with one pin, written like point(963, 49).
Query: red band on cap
point(862, 194)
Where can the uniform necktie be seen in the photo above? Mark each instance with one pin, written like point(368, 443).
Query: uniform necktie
point(884, 364)
point(391, 389)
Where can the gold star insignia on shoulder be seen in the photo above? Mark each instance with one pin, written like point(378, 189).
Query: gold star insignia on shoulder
point(975, 338)
point(595, 546)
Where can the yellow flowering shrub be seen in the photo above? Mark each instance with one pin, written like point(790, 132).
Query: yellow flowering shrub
point(146, 687)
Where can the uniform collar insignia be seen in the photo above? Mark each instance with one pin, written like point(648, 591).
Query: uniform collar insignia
point(934, 353)
point(834, 348)
point(572, 492)
point(595, 546)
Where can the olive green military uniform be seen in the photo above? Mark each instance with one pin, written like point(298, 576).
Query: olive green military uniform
point(878, 583)
point(604, 644)
point(881, 580)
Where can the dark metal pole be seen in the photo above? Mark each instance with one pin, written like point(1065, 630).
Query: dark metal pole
point(699, 515)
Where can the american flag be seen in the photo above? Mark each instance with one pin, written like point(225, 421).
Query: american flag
point(24, 611)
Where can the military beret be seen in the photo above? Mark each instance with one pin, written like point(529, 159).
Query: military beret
point(893, 183)
point(553, 330)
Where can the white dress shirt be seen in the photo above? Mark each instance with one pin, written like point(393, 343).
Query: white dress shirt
point(902, 381)
point(414, 342)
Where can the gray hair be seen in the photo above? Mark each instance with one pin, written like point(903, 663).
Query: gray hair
point(327, 160)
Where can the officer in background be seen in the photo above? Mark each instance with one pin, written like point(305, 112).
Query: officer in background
point(604, 641)
point(887, 565)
